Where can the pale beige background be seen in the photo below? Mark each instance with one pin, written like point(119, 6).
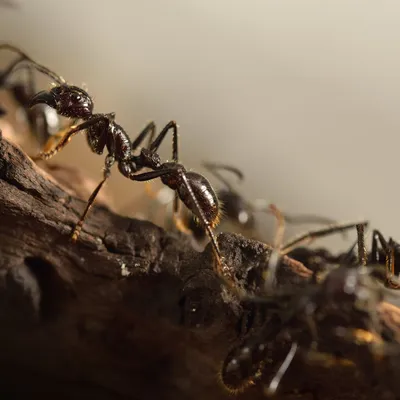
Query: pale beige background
point(303, 95)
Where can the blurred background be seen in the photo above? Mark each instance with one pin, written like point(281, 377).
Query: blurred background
point(302, 96)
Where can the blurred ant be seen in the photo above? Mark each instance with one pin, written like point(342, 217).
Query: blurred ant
point(241, 211)
point(102, 131)
point(327, 320)
point(43, 120)
point(383, 252)
point(235, 208)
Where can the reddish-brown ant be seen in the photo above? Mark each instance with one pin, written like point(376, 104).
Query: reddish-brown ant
point(103, 132)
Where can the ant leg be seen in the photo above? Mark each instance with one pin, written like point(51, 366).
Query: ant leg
point(262, 205)
point(269, 274)
point(273, 386)
point(52, 140)
point(110, 160)
point(312, 235)
point(150, 127)
point(378, 237)
point(346, 258)
point(213, 169)
point(362, 252)
point(178, 221)
point(147, 176)
point(68, 133)
point(388, 249)
point(157, 142)
point(280, 226)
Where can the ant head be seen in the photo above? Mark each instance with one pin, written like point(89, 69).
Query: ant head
point(68, 101)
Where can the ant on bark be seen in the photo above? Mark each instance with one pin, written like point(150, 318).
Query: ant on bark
point(43, 120)
point(301, 317)
point(387, 254)
point(103, 132)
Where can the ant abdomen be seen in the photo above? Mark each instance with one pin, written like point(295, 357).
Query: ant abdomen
point(205, 195)
point(242, 366)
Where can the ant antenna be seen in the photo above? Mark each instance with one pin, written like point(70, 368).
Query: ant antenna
point(214, 167)
point(39, 67)
point(271, 389)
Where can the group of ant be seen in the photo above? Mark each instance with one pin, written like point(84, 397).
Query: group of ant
point(298, 310)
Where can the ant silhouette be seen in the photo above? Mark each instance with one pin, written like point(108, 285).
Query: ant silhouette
point(103, 132)
point(300, 317)
point(43, 120)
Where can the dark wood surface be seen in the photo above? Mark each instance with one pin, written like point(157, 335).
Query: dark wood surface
point(109, 317)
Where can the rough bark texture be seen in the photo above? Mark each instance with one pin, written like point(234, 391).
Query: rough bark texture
point(128, 312)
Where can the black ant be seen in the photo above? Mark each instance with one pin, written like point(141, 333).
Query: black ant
point(383, 252)
point(323, 318)
point(43, 120)
point(242, 212)
point(191, 188)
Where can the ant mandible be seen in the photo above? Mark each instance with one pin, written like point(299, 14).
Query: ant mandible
point(191, 188)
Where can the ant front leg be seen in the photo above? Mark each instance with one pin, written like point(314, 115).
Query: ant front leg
point(110, 160)
point(68, 133)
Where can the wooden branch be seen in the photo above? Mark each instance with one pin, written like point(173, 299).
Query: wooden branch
point(129, 311)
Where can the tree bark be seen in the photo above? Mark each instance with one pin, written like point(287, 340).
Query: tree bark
point(129, 311)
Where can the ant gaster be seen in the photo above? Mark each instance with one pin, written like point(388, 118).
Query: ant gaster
point(191, 188)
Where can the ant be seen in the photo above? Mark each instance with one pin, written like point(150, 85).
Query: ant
point(324, 319)
point(242, 212)
point(383, 252)
point(103, 132)
point(43, 120)
point(236, 209)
